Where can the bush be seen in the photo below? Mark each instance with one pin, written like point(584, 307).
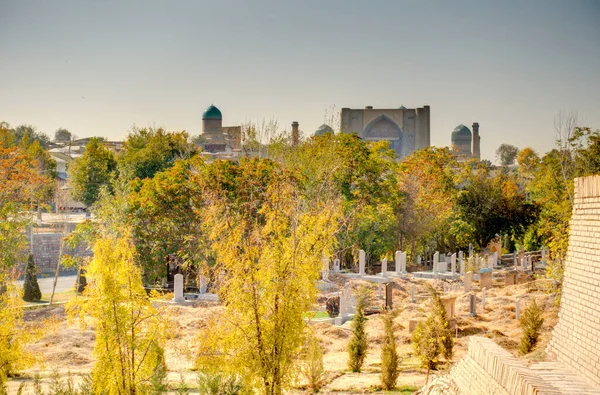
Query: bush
point(219, 384)
point(312, 368)
point(434, 336)
point(31, 288)
point(357, 348)
point(333, 306)
point(531, 323)
point(389, 355)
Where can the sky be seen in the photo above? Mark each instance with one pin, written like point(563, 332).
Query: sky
point(99, 67)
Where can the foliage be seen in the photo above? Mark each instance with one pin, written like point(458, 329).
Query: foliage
point(62, 135)
point(163, 219)
point(389, 354)
point(219, 384)
point(32, 134)
point(91, 171)
point(434, 336)
point(333, 306)
point(147, 151)
point(358, 345)
point(270, 242)
point(312, 369)
point(506, 154)
point(493, 206)
point(31, 288)
point(130, 332)
point(531, 322)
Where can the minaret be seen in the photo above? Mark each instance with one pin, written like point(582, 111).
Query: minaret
point(476, 147)
point(295, 133)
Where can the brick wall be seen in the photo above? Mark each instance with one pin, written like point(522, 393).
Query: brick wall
point(576, 337)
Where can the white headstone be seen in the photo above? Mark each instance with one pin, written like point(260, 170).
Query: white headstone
point(419, 259)
point(384, 267)
point(362, 260)
point(518, 309)
point(490, 261)
point(178, 288)
point(202, 285)
point(336, 265)
point(398, 259)
point(468, 279)
point(523, 264)
point(436, 260)
point(461, 262)
point(404, 262)
point(453, 263)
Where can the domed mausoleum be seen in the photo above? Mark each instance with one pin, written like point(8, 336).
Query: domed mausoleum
point(216, 137)
point(465, 143)
point(323, 130)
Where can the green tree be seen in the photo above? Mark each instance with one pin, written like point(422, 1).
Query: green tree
point(30, 131)
point(62, 135)
point(312, 369)
point(531, 322)
point(506, 154)
point(31, 288)
point(389, 354)
point(358, 345)
point(91, 171)
point(148, 151)
point(269, 241)
point(130, 332)
point(434, 336)
point(494, 206)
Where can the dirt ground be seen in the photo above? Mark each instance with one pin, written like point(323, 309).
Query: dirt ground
point(67, 349)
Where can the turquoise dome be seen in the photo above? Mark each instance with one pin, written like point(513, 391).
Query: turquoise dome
point(212, 112)
point(461, 134)
point(323, 130)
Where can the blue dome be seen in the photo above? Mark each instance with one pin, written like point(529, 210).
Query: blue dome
point(323, 130)
point(212, 112)
point(461, 134)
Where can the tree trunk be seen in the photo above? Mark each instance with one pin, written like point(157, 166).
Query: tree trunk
point(57, 271)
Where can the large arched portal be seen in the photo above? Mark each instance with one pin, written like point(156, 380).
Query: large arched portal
point(384, 128)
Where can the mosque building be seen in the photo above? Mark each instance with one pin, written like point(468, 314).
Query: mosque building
point(464, 143)
point(217, 138)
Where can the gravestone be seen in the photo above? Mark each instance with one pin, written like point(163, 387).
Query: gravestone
point(472, 306)
point(468, 279)
point(485, 279)
point(203, 285)
point(362, 260)
point(449, 304)
point(511, 278)
point(398, 259)
point(470, 249)
point(461, 262)
point(336, 265)
point(325, 271)
point(389, 295)
point(523, 264)
point(518, 309)
point(543, 256)
point(453, 263)
point(412, 293)
point(419, 260)
point(178, 288)
point(384, 267)
point(490, 261)
point(436, 259)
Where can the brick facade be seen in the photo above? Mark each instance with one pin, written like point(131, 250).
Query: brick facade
point(576, 337)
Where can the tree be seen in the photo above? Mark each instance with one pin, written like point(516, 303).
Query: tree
point(62, 135)
point(506, 154)
point(494, 206)
point(312, 368)
point(434, 336)
point(91, 171)
point(268, 240)
point(130, 332)
point(29, 130)
point(148, 151)
point(389, 354)
point(357, 347)
point(31, 288)
point(531, 322)
point(163, 219)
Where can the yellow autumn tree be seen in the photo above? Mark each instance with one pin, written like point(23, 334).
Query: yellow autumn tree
point(269, 242)
point(130, 332)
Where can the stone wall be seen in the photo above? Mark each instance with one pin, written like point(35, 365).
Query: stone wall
point(576, 337)
point(46, 248)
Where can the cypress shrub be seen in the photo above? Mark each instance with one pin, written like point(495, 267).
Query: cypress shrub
point(31, 288)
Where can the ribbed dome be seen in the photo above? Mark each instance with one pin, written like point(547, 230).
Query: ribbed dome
point(212, 112)
point(323, 129)
point(461, 134)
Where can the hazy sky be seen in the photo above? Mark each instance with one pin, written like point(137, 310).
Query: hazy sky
point(98, 67)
